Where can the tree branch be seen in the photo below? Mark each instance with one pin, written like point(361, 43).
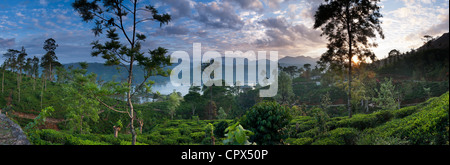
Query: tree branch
point(140, 85)
point(112, 108)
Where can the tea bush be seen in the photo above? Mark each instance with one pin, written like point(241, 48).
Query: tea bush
point(339, 136)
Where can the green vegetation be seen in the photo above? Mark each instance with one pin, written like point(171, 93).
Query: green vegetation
point(336, 102)
point(426, 123)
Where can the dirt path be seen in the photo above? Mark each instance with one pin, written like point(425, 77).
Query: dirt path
point(50, 123)
point(32, 116)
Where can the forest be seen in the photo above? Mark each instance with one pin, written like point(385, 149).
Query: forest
point(402, 99)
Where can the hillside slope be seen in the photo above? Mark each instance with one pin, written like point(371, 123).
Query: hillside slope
point(423, 124)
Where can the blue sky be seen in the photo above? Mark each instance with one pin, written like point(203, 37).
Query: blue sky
point(273, 25)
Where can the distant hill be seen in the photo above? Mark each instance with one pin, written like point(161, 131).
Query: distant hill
point(298, 61)
point(117, 73)
point(439, 43)
point(430, 62)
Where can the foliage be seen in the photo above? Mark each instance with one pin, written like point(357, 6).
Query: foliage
point(221, 114)
point(267, 120)
point(348, 26)
point(339, 136)
point(386, 95)
point(40, 119)
point(110, 15)
point(299, 141)
point(209, 134)
point(237, 135)
point(285, 93)
point(173, 102)
point(321, 118)
point(81, 106)
point(427, 126)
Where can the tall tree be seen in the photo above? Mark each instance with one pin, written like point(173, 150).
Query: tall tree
point(111, 15)
point(173, 102)
point(20, 64)
point(4, 65)
point(49, 60)
point(307, 70)
point(393, 55)
point(348, 25)
point(285, 94)
point(11, 58)
point(35, 70)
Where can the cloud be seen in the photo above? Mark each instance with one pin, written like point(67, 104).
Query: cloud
point(274, 4)
point(255, 5)
point(7, 43)
point(281, 34)
point(310, 8)
point(172, 30)
point(179, 8)
point(43, 2)
point(218, 15)
point(276, 23)
point(440, 28)
point(19, 14)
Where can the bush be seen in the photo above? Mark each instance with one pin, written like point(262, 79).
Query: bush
point(56, 137)
point(266, 120)
point(168, 131)
point(198, 136)
point(363, 121)
point(299, 141)
point(403, 112)
point(428, 126)
point(339, 136)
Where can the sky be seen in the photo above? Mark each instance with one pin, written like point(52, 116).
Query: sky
point(285, 26)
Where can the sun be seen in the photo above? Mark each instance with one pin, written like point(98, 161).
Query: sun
point(355, 60)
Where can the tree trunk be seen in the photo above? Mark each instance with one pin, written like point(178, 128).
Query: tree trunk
point(116, 131)
point(350, 56)
point(130, 104)
point(34, 83)
point(19, 79)
point(141, 124)
point(50, 74)
point(42, 90)
point(3, 80)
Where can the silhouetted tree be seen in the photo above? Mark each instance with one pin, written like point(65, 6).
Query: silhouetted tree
point(393, 55)
point(348, 25)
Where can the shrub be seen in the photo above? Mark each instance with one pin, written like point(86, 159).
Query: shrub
point(363, 121)
point(428, 126)
point(299, 141)
point(198, 136)
point(184, 129)
point(57, 137)
point(266, 120)
point(168, 131)
point(339, 136)
point(401, 113)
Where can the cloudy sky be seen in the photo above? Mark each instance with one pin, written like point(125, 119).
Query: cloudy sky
point(221, 25)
